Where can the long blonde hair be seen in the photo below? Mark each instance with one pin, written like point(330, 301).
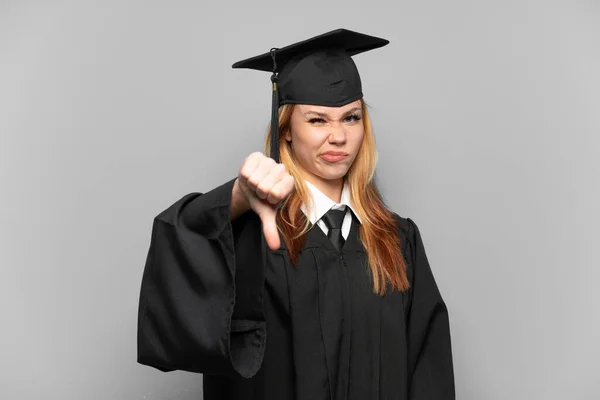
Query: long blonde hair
point(379, 231)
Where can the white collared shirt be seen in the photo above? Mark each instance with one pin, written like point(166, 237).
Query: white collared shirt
point(322, 204)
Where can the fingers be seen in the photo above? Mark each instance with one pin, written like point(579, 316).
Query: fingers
point(250, 165)
point(266, 183)
point(262, 175)
point(254, 170)
point(281, 189)
point(270, 231)
point(264, 189)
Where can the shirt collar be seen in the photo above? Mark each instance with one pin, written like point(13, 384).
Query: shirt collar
point(323, 203)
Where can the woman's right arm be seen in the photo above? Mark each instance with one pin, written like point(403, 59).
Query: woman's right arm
point(239, 202)
point(189, 317)
point(201, 299)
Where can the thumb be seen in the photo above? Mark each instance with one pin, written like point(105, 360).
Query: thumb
point(270, 227)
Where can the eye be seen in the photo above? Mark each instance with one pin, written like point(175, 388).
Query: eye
point(316, 120)
point(352, 118)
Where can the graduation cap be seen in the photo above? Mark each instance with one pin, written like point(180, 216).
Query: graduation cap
point(318, 71)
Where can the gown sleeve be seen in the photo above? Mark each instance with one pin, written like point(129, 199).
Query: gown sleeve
point(431, 373)
point(200, 305)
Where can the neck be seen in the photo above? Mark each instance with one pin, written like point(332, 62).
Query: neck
point(331, 188)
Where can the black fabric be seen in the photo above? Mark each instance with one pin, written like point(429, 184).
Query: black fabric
point(214, 301)
point(327, 78)
point(319, 70)
point(333, 219)
point(352, 42)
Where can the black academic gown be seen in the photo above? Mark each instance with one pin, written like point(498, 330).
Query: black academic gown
point(215, 300)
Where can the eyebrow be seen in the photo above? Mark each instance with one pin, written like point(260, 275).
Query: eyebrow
point(323, 115)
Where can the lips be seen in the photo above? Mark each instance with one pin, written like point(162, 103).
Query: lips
point(332, 158)
point(335, 153)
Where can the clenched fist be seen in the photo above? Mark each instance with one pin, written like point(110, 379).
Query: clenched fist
point(265, 183)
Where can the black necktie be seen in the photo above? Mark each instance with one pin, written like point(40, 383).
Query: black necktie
point(333, 219)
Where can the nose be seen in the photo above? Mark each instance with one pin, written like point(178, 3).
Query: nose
point(337, 132)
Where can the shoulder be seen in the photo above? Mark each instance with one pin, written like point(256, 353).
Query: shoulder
point(407, 227)
point(410, 237)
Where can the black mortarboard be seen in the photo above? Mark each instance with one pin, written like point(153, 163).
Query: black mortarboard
point(317, 71)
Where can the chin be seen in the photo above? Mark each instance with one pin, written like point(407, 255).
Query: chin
point(335, 175)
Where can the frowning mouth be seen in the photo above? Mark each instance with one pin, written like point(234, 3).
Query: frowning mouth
point(333, 158)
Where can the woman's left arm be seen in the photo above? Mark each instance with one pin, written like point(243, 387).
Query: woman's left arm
point(430, 369)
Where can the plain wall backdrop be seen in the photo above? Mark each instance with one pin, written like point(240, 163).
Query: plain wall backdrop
point(487, 121)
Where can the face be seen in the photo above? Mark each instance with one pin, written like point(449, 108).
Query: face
point(316, 130)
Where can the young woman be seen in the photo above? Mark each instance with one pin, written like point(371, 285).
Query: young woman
point(240, 284)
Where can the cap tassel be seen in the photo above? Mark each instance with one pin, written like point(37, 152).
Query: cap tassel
point(274, 111)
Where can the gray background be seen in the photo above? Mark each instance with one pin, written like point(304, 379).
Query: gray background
point(487, 120)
